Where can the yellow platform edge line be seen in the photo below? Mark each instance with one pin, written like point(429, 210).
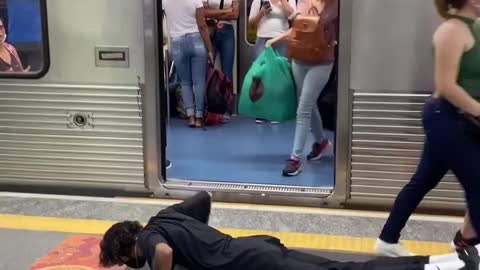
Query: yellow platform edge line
point(293, 240)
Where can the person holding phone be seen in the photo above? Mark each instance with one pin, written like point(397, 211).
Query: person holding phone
point(270, 18)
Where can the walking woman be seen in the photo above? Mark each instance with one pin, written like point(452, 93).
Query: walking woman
point(191, 49)
point(310, 79)
point(449, 144)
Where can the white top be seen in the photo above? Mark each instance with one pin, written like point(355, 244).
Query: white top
point(215, 4)
point(181, 16)
point(273, 24)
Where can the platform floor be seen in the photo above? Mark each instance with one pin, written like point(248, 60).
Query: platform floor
point(34, 224)
point(25, 248)
point(256, 153)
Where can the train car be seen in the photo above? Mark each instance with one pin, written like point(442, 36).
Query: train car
point(92, 108)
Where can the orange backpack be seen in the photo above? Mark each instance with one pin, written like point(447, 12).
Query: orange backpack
point(307, 41)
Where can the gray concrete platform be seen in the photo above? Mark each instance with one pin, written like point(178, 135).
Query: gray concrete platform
point(292, 220)
point(21, 249)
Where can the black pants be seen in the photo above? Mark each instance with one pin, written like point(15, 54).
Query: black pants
point(197, 207)
point(448, 146)
point(268, 253)
point(299, 260)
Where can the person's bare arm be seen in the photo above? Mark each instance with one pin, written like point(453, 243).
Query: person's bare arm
point(286, 7)
point(257, 12)
point(450, 45)
point(233, 13)
point(214, 13)
point(163, 259)
point(281, 38)
point(203, 28)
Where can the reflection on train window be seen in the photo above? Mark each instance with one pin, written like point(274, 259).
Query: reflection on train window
point(251, 33)
point(23, 40)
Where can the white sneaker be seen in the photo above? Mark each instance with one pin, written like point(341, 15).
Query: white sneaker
point(391, 250)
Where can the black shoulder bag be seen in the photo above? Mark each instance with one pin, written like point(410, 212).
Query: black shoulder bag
point(212, 24)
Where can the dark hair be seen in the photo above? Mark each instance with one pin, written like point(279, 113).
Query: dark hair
point(117, 242)
point(443, 6)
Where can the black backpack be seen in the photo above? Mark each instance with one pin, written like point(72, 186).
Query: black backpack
point(218, 97)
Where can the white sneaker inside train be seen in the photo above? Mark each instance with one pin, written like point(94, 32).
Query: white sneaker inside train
point(391, 250)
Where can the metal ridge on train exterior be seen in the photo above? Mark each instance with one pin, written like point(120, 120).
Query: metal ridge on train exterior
point(90, 118)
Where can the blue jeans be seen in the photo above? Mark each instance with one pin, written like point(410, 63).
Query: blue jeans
point(224, 44)
point(448, 146)
point(190, 56)
point(281, 48)
point(310, 81)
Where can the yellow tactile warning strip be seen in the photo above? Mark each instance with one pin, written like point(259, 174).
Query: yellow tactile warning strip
point(298, 209)
point(292, 240)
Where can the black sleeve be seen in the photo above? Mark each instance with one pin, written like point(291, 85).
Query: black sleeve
point(197, 207)
point(148, 243)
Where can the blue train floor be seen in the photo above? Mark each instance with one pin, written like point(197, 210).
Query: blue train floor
point(242, 151)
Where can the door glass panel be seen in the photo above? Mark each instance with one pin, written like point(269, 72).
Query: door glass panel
point(23, 39)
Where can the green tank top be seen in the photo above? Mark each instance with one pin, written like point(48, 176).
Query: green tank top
point(469, 74)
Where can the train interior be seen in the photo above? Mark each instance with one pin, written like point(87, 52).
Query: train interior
point(242, 150)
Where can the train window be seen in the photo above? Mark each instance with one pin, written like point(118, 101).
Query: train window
point(23, 39)
point(251, 33)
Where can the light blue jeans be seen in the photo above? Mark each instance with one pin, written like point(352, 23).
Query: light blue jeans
point(310, 81)
point(190, 56)
point(280, 47)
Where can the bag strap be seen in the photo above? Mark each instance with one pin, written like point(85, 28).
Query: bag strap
point(313, 9)
point(221, 4)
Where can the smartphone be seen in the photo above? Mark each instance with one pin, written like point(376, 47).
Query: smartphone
point(267, 4)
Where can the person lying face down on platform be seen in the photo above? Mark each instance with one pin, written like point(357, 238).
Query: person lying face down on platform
point(179, 235)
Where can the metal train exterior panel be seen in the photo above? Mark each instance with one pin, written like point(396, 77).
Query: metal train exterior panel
point(93, 122)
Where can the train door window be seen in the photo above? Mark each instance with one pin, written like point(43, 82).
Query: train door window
point(23, 39)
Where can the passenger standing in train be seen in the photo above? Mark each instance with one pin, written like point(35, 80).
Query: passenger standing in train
point(9, 59)
point(270, 18)
point(221, 14)
point(450, 143)
point(310, 80)
point(191, 49)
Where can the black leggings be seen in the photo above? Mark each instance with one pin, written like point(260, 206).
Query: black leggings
point(299, 260)
point(448, 146)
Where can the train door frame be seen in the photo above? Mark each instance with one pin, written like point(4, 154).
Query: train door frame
point(155, 134)
point(154, 124)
